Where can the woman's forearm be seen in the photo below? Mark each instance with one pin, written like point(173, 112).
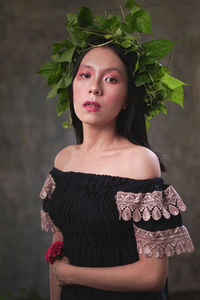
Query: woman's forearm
point(144, 275)
point(55, 290)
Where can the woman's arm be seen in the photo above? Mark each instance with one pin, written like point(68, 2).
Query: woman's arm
point(147, 274)
point(54, 288)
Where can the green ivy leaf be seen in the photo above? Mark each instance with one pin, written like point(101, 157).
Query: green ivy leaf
point(85, 17)
point(118, 31)
point(79, 38)
point(66, 124)
point(129, 24)
point(72, 19)
point(155, 50)
point(101, 21)
point(133, 6)
point(47, 69)
point(58, 46)
point(176, 96)
point(142, 79)
point(54, 77)
point(64, 82)
point(111, 24)
point(147, 123)
point(62, 103)
point(159, 108)
point(135, 9)
point(142, 21)
point(156, 71)
point(64, 56)
point(51, 71)
point(171, 82)
point(114, 20)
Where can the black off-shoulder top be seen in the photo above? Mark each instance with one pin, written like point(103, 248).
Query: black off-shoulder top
point(109, 220)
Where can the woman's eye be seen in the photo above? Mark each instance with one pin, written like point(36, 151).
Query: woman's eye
point(84, 75)
point(111, 79)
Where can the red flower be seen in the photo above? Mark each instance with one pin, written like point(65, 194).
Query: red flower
point(55, 252)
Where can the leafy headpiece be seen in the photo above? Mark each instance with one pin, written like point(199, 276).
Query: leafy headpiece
point(154, 79)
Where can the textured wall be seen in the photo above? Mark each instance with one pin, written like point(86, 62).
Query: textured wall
point(31, 134)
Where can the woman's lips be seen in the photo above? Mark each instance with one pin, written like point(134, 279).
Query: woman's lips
point(92, 105)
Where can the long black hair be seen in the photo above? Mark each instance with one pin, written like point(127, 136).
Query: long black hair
point(130, 121)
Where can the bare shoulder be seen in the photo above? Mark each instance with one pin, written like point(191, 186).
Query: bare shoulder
point(63, 157)
point(143, 163)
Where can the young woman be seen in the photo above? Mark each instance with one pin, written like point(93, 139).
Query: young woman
point(105, 197)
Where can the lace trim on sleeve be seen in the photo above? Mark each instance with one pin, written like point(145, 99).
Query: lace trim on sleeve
point(167, 242)
point(47, 191)
point(146, 205)
point(46, 222)
point(48, 187)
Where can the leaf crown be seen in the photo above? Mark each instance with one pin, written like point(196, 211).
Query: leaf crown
point(154, 78)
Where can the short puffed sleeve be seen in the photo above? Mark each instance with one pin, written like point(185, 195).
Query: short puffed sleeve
point(155, 209)
point(46, 193)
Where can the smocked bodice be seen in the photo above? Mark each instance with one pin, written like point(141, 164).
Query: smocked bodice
point(109, 220)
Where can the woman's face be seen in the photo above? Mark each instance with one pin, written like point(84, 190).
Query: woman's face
point(100, 87)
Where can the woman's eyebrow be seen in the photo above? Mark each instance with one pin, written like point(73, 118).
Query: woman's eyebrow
point(114, 69)
point(106, 69)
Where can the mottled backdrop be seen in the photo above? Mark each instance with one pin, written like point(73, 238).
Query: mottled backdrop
point(31, 134)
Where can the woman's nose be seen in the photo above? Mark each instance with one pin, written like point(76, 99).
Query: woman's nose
point(95, 89)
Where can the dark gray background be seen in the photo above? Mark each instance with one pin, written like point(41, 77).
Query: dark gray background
point(31, 134)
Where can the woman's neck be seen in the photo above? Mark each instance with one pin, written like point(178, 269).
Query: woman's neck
point(99, 139)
